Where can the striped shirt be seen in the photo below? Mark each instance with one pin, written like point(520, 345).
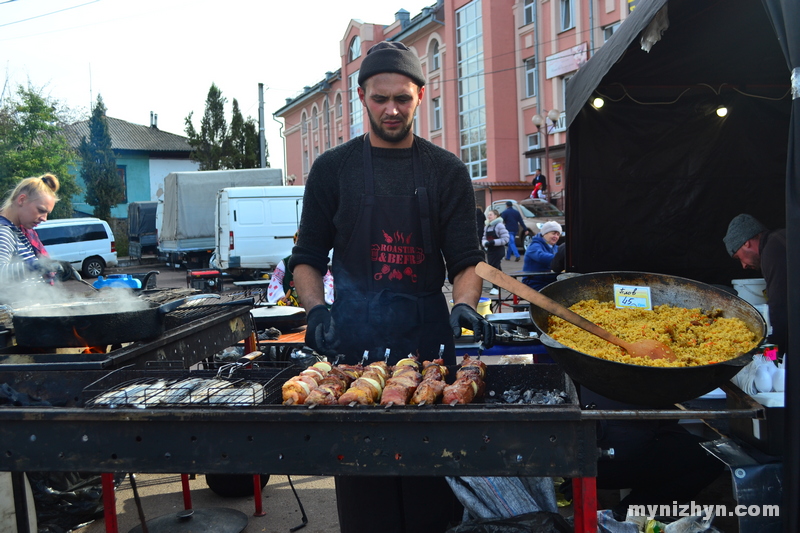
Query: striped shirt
point(17, 256)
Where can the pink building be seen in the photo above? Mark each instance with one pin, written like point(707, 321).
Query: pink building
point(494, 68)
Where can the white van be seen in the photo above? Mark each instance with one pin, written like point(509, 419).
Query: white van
point(87, 243)
point(255, 226)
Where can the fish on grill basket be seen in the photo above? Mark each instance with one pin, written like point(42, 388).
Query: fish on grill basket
point(203, 393)
point(248, 394)
point(176, 392)
point(136, 395)
point(469, 383)
point(403, 383)
point(431, 388)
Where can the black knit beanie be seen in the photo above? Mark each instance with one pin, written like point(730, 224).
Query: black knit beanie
point(391, 57)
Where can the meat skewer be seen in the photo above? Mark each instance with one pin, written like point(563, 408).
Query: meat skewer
point(366, 390)
point(403, 383)
point(469, 383)
point(432, 386)
point(330, 389)
point(296, 389)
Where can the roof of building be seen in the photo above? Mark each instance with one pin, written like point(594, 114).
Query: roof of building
point(129, 136)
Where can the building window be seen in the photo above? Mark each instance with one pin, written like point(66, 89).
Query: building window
point(355, 48)
point(530, 77)
point(314, 119)
point(436, 60)
point(567, 15)
point(339, 105)
point(471, 92)
point(436, 113)
point(533, 162)
point(305, 162)
point(608, 31)
point(304, 123)
point(356, 110)
point(121, 172)
point(564, 82)
point(529, 12)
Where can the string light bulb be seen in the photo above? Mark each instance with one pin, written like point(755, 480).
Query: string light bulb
point(598, 102)
point(721, 111)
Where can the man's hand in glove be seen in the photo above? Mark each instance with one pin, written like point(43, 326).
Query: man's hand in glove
point(464, 316)
point(321, 331)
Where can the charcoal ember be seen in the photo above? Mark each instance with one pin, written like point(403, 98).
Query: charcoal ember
point(518, 395)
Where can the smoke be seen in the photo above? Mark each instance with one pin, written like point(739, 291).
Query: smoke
point(37, 298)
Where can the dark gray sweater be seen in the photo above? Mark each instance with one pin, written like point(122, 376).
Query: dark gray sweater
point(335, 188)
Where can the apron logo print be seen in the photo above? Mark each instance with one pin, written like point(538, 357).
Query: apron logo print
point(398, 237)
point(395, 251)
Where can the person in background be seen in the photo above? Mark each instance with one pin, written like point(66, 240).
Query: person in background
point(281, 288)
point(514, 224)
point(757, 248)
point(22, 255)
point(540, 254)
point(480, 218)
point(393, 207)
point(539, 179)
point(495, 238)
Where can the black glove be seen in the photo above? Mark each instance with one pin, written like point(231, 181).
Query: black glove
point(321, 331)
point(464, 316)
point(49, 268)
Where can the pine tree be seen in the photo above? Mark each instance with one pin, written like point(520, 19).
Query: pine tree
point(104, 188)
point(208, 144)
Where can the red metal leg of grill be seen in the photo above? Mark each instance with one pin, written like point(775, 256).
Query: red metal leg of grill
point(584, 501)
point(109, 503)
point(187, 494)
point(257, 495)
point(251, 343)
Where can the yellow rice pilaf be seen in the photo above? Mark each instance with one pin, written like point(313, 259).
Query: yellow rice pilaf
point(695, 337)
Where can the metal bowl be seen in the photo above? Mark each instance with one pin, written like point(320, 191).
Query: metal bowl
point(645, 385)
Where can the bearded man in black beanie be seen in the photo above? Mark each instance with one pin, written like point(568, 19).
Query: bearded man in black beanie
point(399, 213)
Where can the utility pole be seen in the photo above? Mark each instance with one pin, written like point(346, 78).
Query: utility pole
point(262, 144)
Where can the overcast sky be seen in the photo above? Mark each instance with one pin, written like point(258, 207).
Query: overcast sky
point(163, 55)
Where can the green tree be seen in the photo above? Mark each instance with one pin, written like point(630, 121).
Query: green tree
point(216, 146)
point(208, 144)
point(33, 142)
point(104, 188)
point(241, 146)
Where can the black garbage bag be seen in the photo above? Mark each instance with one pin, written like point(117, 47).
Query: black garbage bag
point(540, 521)
point(65, 500)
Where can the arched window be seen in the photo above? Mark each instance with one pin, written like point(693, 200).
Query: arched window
point(304, 123)
point(355, 48)
point(339, 105)
point(314, 119)
point(436, 60)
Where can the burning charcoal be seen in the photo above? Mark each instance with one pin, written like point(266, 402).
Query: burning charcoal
point(511, 395)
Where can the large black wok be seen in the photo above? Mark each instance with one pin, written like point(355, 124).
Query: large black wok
point(643, 385)
point(95, 323)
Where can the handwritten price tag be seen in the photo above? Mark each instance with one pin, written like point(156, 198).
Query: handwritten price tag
point(631, 296)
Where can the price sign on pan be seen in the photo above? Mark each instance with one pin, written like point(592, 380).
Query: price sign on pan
point(632, 296)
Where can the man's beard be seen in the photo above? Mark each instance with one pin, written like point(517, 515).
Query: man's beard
point(387, 136)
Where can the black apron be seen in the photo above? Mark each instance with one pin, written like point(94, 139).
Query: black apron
point(389, 278)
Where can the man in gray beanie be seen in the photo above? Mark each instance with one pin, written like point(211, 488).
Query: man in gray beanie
point(399, 213)
point(757, 248)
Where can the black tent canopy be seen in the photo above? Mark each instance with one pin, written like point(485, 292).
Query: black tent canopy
point(668, 174)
